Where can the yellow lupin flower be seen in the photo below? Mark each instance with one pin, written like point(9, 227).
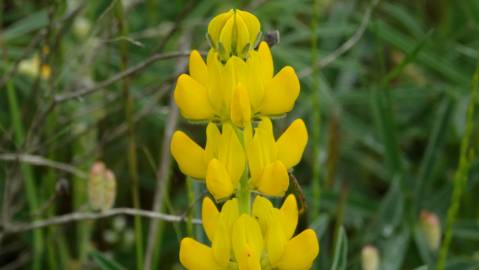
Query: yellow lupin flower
point(278, 227)
point(235, 86)
point(221, 162)
point(269, 160)
point(234, 32)
point(238, 90)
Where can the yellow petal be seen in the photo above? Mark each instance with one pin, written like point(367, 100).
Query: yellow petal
point(276, 240)
point(221, 245)
point(289, 216)
point(226, 38)
point(231, 153)
point(266, 61)
point(228, 78)
point(188, 155)
point(196, 256)
point(229, 213)
point(291, 144)
point(198, 70)
point(216, 24)
point(252, 24)
point(240, 107)
point(255, 160)
point(192, 99)
point(209, 216)
point(218, 180)
point(212, 142)
point(300, 251)
point(216, 82)
point(254, 81)
point(280, 93)
point(262, 209)
point(275, 179)
point(243, 44)
point(247, 242)
point(264, 132)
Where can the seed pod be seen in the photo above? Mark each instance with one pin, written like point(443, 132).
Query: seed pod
point(101, 187)
point(369, 258)
point(431, 228)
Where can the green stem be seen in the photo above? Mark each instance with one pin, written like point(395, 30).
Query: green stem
point(26, 171)
point(460, 176)
point(132, 158)
point(244, 195)
point(316, 119)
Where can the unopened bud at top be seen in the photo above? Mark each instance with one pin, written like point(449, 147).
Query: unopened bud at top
point(234, 32)
point(431, 227)
point(369, 258)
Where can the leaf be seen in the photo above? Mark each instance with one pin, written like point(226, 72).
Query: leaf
point(435, 144)
point(340, 260)
point(394, 250)
point(105, 263)
point(33, 22)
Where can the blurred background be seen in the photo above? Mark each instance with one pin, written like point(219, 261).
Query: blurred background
point(385, 90)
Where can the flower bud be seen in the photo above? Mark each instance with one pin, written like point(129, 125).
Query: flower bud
point(431, 228)
point(235, 32)
point(369, 258)
point(101, 187)
point(81, 27)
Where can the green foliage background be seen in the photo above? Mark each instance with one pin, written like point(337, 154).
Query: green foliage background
point(393, 112)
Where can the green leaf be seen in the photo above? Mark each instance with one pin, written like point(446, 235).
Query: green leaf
point(105, 263)
point(33, 22)
point(394, 250)
point(340, 260)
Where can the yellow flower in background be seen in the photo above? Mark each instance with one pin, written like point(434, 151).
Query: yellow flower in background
point(234, 32)
point(32, 67)
point(221, 162)
point(285, 252)
point(236, 91)
point(270, 159)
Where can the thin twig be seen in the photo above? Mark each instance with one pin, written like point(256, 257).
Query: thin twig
point(127, 72)
point(91, 89)
point(41, 161)
point(77, 216)
point(346, 46)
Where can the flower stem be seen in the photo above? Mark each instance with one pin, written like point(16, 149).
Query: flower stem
point(244, 195)
point(461, 174)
